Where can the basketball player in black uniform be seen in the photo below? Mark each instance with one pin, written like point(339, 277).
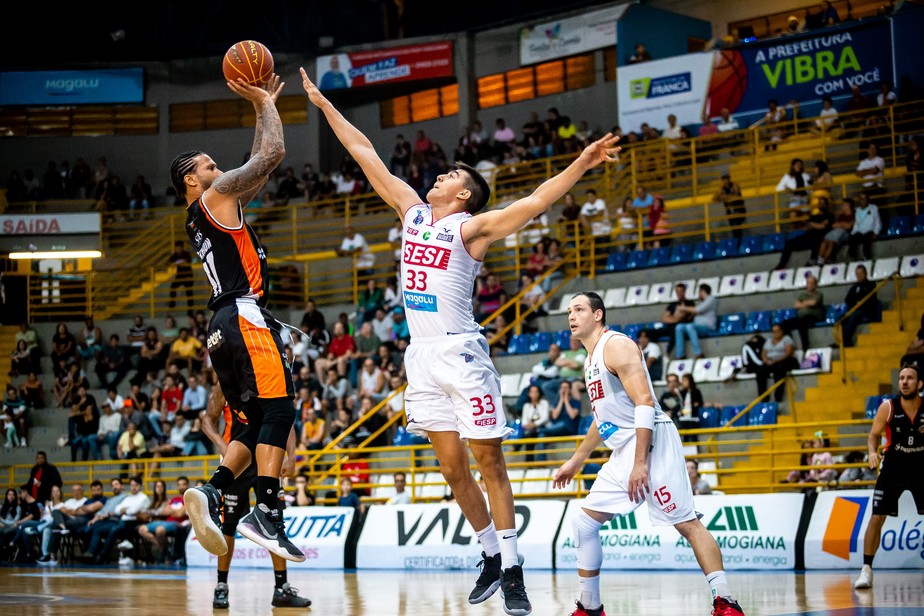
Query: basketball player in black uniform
point(899, 417)
point(237, 501)
point(244, 341)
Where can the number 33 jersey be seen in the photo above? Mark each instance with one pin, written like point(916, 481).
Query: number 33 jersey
point(437, 274)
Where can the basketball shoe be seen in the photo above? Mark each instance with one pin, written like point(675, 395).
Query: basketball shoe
point(266, 528)
point(865, 580)
point(203, 506)
point(288, 597)
point(489, 580)
point(583, 611)
point(220, 599)
point(513, 590)
point(725, 607)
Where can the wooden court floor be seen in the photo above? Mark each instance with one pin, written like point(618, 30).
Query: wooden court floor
point(173, 592)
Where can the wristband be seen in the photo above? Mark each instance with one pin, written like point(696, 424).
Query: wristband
point(644, 417)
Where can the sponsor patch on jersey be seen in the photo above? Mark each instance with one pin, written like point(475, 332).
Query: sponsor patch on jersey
point(444, 237)
point(488, 421)
point(595, 390)
point(419, 218)
point(669, 508)
point(412, 231)
point(426, 235)
point(214, 340)
point(426, 256)
point(607, 429)
point(468, 357)
point(420, 301)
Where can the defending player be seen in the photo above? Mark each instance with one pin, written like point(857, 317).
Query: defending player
point(237, 502)
point(244, 340)
point(899, 417)
point(453, 392)
point(647, 462)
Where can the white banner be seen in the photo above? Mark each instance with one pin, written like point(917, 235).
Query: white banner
point(319, 532)
point(838, 525)
point(437, 536)
point(569, 36)
point(48, 224)
point(651, 91)
point(753, 531)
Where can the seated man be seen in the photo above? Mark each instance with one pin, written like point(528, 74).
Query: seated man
point(570, 370)
point(542, 372)
point(187, 353)
point(103, 515)
point(672, 316)
point(195, 397)
point(125, 521)
point(867, 312)
point(651, 351)
point(113, 359)
point(51, 534)
point(703, 323)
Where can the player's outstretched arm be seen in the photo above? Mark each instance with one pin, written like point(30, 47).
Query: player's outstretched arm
point(393, 190)
point(875, 434)
point(484, 229)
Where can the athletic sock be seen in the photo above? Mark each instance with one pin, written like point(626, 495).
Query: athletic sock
point(488, 539)
point(266, 489)
point(507, 539)
point(718, 582)
point(868, 559)
point(590, 592)
point(281, 578)
point(222, 577)
point(222, 478)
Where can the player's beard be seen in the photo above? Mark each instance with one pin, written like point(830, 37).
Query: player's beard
point(910, 397)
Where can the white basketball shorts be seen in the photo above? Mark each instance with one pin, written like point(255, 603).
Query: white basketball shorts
point(670, 496)
point(452, 386)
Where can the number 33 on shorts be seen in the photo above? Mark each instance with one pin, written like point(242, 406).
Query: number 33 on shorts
point(483, 405)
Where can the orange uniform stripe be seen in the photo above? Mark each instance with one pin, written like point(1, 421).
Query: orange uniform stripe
point(249, 260)
point(267, 363)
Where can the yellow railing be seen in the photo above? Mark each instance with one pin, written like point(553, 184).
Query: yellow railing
point(787, 382)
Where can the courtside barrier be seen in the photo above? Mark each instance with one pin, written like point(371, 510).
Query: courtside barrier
point(835, 534)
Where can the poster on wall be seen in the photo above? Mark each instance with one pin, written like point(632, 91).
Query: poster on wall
point(384, 66)
point(755, 531)
point(569, 36)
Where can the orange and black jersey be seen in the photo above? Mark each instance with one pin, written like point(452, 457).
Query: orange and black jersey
point(903, 453)
point(233, 259)
point(235, 423)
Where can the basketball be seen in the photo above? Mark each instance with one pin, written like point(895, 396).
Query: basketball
point(728, 83)
point(250, 61)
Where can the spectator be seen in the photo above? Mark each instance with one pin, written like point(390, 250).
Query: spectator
point(866, 227)
point(594, 217)
point(108, 432)
point(539, 261)
point(914, 354)
point(151, 357)
point(777, 359)
point(822, 181)
point(504, 137)
point(15, 418)
point(810, 306)
point(671, 400)
point(187, 353)
point(871, 169)
point(28, 335)
point(342, 420)
point(401, 495)
point(827, 117)
point(821, 457)
point(85, 427)
point(691, 403)
point(166, 519)
point(860, 472)
point(339, 352)
point(21, 360)
point(869, 311)
point(570, 371)
point(371, 298)
point(42, 477)
point(730, 196)
point(312, 317)
point(640, 54)
point(334, 392)
point(303, 496)
point(313, 430)
point(839, 235)
point(727, 122)
point(372, 381)
point(367, 343)
point(140, 197)
point(829, 15)
point(794, 183)
point(774, 120)
point(703, 323)
point(565, 415)
point(183, 277)
point(355, 245)
point(32, 391)
point(113, 360)
point(554, 257)
point(136, 334)
point(400, 156)
point(820, 222)
point(132, 445)
point(63, 345)
point(651, 351)
point(123, 524)
point(349, 498)
point(73, 515)
point(658, 222)
point(382, 325)
point(399, 329)
point(698, 484)
point(673, 316)
point(489, 298)
point(886, 95)
point(642, 198)
point(195, 397)
point(533, 299)
point(535, 416)
point(89, 341)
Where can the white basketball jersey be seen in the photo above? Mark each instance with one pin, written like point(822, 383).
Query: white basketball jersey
point(613, 409)
point(437, 274)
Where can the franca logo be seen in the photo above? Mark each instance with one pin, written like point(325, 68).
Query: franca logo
point(738, 518)
point(660, 86)
point(843, 530)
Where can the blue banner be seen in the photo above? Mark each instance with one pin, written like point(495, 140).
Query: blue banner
point(104, 86)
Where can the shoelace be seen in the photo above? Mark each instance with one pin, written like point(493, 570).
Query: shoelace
point(483, 564)
point(279, 523)
point(290, 591)
point(516, 589)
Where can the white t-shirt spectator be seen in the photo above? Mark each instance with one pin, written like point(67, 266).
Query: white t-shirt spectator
point(595, 211)
point(178, 434)
point(117, 403)
point(886, 99)
point(866, 164)
point(399, 498)
point(536, 413)
point(652, 349)
point(394, 235)
point(732, 124)
point(826, 117)
point(384, 327)
point(110, 423)
point(345, 186)
point(365, 259)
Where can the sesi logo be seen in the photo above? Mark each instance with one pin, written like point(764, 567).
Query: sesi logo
point(595, 390)
point(426, 256)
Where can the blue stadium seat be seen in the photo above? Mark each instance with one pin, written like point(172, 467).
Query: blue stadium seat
point(763, 414)
point(782, 314)
point(833, 313)
point(519, 343)
point(728, 413)
point(758, 321)
point(682, 253)
point(540, 342)
point(616, 262)
point(872, 405)
point(794, 234)
point(584, 426)
point(637, 259)
point(732, 323)
point(727, 247)
point(704, 251)
point(563, 339)
point(773, 242)
point(751, 245)
point(633, 329)
point(709, 417)
point(917, 228)
point(657, 330)
point(899, 226)
point(659, 256)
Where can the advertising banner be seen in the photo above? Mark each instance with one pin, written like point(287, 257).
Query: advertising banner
point(836, 530)
point(753, 531)
point(98, 86)
point(651, 91)
point(437, 536)
point(384, 66)
point(319, 532)
point(49, 224)
point(569, 36)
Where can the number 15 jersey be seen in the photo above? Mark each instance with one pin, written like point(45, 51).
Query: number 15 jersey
point(437, 274)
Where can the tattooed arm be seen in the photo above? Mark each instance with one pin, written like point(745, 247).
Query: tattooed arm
point(227, 191)
point(273, 87)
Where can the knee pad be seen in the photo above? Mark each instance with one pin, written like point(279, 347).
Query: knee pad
point(586, 535)
point(278, 418)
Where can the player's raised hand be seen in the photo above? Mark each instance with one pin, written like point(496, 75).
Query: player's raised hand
point(274, 87)
point(565, 474)
point(603, 150)
point(314, 95)
point(255, 94)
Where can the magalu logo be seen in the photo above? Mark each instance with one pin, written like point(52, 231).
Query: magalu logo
point(843, 530)
point(660, 86)
point(738, 518)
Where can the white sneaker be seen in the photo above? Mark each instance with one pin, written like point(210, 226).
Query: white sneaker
point(22, 443)
point(51, 562)
point(866, 578)
point(125, 561)
point(126, 545)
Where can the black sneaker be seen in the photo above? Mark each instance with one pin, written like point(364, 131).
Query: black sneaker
point(266, 529)
point(288, 597)
point(489, 580)
point(203, 506)
point(220, 600)
point(513, 590)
